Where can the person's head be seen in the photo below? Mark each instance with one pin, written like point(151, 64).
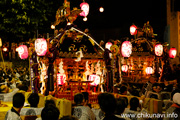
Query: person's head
point(134, 103)
point(33, 99)
point(68, 118)
point(18, 100)
point(173, 92)
point(50, 112)
point(79, 98)
point(22, 87)
point(107, 102)
point(176, 98)
point(123, 90)
point(86, 97)
point(121, 105)
point(49, 102)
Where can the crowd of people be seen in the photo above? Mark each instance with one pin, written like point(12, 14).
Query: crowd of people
point(109, 107)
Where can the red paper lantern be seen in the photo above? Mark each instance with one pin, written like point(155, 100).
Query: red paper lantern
point(126, 49)
point(158, 50)
point(85, 9)
point(172, 52)
point(133, 30)
point(41, 46)
point(95, 79)
point(124, 68)
point(149, 70)
point(23, 51)
point(61, 78)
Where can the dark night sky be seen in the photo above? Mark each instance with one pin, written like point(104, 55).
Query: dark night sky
point(119, 15)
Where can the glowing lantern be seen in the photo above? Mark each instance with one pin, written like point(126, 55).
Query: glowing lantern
point(61, 78)
point(101, 9)
point(126, 49)
point(40, 46)
point(95, 79)
point(133, 30)
point(172, 52)
point(85, 9)
point(149, 70)
point(108, 45)
point(23, 51)
point(158, 50)
point(124, 68)
point(5, 49)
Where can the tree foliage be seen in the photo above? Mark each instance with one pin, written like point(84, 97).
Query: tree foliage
point(20, 19)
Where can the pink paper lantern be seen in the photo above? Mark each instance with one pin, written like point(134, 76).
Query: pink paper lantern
point(133, 30)
point(124, 68)
point(41, 46)
point(85, 9)
point(158, 50)
point(61, 78)
point(149, 70)
point(126, 49)
point(108, 45)
point(172, 52)
point(23, 51)
point(95, 79)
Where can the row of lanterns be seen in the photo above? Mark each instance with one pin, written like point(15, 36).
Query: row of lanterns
point(40, 48)
point(148, 70)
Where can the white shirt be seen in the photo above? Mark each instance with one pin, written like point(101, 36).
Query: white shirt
point(83, 113)
point(12, 115)
point(31, 111)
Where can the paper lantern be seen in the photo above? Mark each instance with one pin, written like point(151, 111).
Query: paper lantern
point(149, 70)
point(108, 45)
point(124, 68)
point(133, 30)
point(40, 46)
point(95, 79)
point(172, 52)
point(126, 49)
point(158, 50)
point(61, 77)
point(85, 9)
point(23, 51)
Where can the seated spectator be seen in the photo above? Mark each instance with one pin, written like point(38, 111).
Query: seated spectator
point(80, 111)
point(121, 105)
point(5, 93)
point(68, 118)
point(86, 98)
point(33, 110)
point(107, 103)
point(18, 102)
point(134, 104)
point(49, 102)
point(174, 108)
point(123, 90)
point(50, 112)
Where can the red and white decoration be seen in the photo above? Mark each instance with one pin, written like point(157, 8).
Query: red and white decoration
point(126, 49)
point(95, 79)
point(172, 52)
point(124, 68)
point(41, 46)
point(149, 70)
point(23, 51)
point(85, 9)
point(158, 50)
point(61, 77)
point(133, 30)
